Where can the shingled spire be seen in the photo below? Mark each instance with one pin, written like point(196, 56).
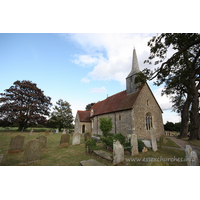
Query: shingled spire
point(130, 79)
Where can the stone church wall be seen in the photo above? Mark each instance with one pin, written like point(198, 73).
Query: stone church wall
point(146, 104)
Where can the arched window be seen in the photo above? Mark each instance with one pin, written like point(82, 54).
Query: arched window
point(83, 128)
point(120, 117)
point(149, 123)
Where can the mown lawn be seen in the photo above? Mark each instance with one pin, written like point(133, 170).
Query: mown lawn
point(72, 155)
point(194, 142)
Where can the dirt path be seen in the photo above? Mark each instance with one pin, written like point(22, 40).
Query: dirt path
point(182, 144)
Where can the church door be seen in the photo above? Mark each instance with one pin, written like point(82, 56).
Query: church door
point(83, 129)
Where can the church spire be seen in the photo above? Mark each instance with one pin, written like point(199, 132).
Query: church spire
point(135, 66)
point(130, 79)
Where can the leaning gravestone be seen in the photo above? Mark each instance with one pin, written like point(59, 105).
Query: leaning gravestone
point(64, 132)
point(118, 152)
point(153, 140)
point(16, 144)
point(188, 151)
point(87, 136)
point(57, 131)
point(43, 139)
point(47, 132)
point(32, 151)
point(134, 145)
point(76, 138)
point(64, 141)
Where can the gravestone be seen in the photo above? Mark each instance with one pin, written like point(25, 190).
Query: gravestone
point(31, 132)
point(54, 131)
point(194, 159)
point(134, 145)
point(64, 132)
point(91, 162)
point(188, 151)
point(147, 143)
point(76, 138)
point(153, 140)
point(64, 141)
point(43, 139)
point(57, 131)
point(47, 132)
point(87, 136)
point(22, 130)
point(103, 154)
point(97, 139)
point(32, 151)
point(16, 144)
point(118, 152)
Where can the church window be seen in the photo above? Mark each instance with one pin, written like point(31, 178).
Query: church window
point(120, 117)
point(147, 102)
point(149, 123)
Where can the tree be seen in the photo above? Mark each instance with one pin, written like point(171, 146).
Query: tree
point(180, 73)
point(24, 103)
point(62, 116)
point(89, 106)
point(105, 125)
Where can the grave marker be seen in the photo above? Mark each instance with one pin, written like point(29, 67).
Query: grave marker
point(16, 144)
point(76, 138)
point(153, 140)
point(134, 145)
point(43, 139)
point(64, 141)
point(118, 152)
point(47, 132)
point(32, 151)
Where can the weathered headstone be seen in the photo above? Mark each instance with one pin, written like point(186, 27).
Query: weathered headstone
point(188, 151)
point(47, 132)
point(147, 143)
point(118, 152)
point(134, 145)
point(76, 138)
point(32, 151)
point(64, 132)
point(54, 131)
point(31, 132)
point(43, 139)
point(194, 159)
point(153, 140)
point(87, 136)
point(22, 130)
point(16, 144)
point(64, 141)
point(57, 131)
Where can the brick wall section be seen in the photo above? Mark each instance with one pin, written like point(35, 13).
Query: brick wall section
point(140, 110)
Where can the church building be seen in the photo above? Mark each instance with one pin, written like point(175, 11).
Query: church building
point(132, 110)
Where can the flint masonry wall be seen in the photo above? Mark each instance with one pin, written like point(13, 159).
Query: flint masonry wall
point(121, 122)
point(147, 104)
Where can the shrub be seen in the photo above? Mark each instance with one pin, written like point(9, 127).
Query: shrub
point(105, 125)
point(127, 146)
point(91, 144)
point(87, 136)
point(120, 137)
point(140, 145)
point(108, 141)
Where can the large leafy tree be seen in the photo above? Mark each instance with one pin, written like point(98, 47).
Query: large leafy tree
point(180, 73)
point(24, 103)
point(62, 116)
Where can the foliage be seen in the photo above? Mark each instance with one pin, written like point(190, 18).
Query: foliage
point(170, 126)
point(127, 146)
point(140, 145)
point(180, 73)
point(91, 144)
point(87, 136)
point(105, 125)
point(109, 139)
point(24, 103)
point(89, 106)
point(62, 116)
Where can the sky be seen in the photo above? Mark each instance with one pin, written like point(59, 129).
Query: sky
point(80, 68)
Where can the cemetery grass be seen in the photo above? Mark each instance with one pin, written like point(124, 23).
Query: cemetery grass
point(169, 143)
point(194, 142)
point(72, 155)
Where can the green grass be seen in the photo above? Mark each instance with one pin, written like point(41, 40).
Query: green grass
point(194, 142)
point(170, 143)
point(72, 155)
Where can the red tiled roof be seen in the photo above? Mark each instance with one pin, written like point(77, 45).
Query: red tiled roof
point(118, 102)
point(84, 116)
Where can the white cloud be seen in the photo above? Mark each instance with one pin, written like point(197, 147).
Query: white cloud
point(111, 54)
point(85, 80)
point(98, 90)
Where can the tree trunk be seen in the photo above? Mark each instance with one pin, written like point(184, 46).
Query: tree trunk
point(185, 117)
point(194, 117)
